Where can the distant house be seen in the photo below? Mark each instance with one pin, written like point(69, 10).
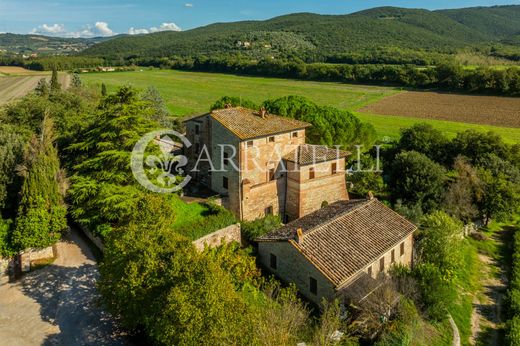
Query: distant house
point(339, 250)
point(261, 165)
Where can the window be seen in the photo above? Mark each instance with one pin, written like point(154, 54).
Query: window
point(272, 262)
point(271, 174)
point(393, 256)
point(268, 211)
point(313, 285)
point(402, 248)
point(197, 129)
point(382, 265)
point(250, 144)
point(312, 173)
point(271, 139)
point(295, 135)
point(225, 183)
point(334, 168)
point(226, 158)
point(370, 271)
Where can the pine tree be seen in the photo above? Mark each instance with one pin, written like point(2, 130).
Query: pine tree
point(103, 90)
point(55, 84)
point(41, 213)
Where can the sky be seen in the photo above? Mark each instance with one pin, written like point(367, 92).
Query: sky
point(88, 18)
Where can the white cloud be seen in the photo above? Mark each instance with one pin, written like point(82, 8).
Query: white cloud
point(134, 31)
point(188, 5)
point(98, 29)
point(162, 27)
point(45, 29)
point(103, 29)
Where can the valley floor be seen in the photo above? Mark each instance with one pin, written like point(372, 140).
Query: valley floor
point(187, 93)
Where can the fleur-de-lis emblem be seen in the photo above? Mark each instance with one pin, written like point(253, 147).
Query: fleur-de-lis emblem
point(163, 172)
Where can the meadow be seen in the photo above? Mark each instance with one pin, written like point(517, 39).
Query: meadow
point(187, 93)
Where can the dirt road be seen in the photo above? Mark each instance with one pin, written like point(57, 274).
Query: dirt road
point(487, 319)
point(57, 305)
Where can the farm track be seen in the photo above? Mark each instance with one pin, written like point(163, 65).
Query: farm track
point(473, 109)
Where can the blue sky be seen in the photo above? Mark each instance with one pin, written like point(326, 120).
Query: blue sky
point(107, 17)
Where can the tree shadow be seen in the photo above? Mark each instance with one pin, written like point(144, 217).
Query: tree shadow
point(68, 298)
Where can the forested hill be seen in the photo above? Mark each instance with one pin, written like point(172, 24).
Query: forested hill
point(29, 44)
point(315, 37)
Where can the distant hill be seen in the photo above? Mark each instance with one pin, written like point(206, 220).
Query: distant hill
point(314, 37)
point(38, 44)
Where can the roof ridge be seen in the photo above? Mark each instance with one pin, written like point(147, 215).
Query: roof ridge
point(363, 203)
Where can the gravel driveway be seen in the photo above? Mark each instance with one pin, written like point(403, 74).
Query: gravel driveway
point(57, 305)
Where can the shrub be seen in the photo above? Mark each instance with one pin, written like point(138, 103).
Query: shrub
point(513, 334)
point(254, 229)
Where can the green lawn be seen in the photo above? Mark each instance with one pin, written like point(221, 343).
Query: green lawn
point(187, 214)
point(188, 93)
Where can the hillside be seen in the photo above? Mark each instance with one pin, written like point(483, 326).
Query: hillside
point(38, 44)
point(315, 37)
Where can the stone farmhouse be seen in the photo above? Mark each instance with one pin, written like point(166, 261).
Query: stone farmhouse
point(260, 164)
point(339, 251)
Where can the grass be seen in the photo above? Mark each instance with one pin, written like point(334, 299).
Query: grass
point(390, 126)
point(188, 93)
point(187, 214)
point(467, 282)
point(194, 92)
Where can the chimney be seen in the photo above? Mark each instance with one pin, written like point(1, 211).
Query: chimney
point(370, 195)
point(263, 113)
point(299, 236)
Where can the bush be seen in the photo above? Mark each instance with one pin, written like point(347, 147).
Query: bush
point(254, 229)
point(513, 334)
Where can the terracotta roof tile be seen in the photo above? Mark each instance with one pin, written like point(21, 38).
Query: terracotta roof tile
point(345, 237)
point(307, 154)
point(248, 124)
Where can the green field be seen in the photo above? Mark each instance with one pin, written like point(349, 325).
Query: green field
point(188, 93)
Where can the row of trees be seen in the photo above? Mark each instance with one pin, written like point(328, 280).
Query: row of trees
point(330, 126)
point(443, 75)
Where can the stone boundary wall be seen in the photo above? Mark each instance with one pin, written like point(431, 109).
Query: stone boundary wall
point(95, 240)
point(30, 255)
point(224, 236)
point(6, 267)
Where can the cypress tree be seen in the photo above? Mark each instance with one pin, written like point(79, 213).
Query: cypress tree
point(55, 84)
point(41, 213)
point(103, 90)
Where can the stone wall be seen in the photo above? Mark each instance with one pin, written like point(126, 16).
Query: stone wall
point(305, 195)
point(293, 267)
point(5, 269)
point(29, 256)
point(224, 236)
point(95, 240)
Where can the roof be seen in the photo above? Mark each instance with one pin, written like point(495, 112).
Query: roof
point(307, 154)
point(247, 124)
point(345, 237)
